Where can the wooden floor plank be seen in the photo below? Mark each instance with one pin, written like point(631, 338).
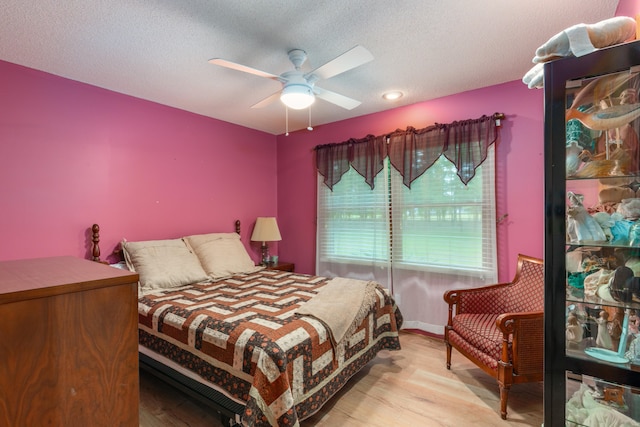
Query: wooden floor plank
point(410, 387)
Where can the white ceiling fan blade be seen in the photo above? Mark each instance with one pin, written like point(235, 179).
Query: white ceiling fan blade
point(268, 100)
point(350, 59)
point(337, 99)
point(234, 66)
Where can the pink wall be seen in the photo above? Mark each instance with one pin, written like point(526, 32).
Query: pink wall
point(73, 154)
point(628, 8)
point(519, 167)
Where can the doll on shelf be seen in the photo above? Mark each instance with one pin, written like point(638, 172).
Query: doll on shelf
point(633, 352)
point(634, 323)
point(603, 338)
point(574, 332)
point(622, 138)
point(615, 327)
point(581, 226)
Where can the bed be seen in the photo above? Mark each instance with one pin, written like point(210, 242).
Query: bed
point(262, 347)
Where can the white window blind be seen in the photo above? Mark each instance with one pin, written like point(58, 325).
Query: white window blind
point(441, 224)
point(353, 228)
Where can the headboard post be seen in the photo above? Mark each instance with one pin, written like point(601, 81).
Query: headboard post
point(238, 226)
point(95, 243)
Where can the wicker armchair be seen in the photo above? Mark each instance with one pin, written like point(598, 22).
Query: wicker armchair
point(500, 327)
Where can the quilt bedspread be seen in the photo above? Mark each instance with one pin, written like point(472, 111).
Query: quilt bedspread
point(243, 334)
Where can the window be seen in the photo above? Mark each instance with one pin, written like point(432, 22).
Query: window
point(418, 242)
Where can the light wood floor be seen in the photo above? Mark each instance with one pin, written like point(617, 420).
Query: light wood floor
point(411, 387)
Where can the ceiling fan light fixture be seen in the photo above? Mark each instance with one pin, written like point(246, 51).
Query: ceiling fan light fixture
point(297, 96)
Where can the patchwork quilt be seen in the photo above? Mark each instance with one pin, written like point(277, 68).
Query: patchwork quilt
point(244, 335)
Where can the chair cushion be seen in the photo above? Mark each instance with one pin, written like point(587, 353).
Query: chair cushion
point(480, 332)
point(477, 356)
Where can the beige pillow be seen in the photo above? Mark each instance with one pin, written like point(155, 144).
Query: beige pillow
point(221, 254)
point(163, 264)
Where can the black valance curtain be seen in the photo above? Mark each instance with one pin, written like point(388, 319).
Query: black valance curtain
point(411, 151)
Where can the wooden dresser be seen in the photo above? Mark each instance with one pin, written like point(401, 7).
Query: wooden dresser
point(68, 344)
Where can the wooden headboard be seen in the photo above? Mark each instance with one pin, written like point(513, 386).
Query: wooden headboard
point(95, 243)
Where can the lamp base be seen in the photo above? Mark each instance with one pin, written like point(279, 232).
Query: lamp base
point(266, 259)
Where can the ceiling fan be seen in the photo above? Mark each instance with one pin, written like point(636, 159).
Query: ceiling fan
point(298, 88)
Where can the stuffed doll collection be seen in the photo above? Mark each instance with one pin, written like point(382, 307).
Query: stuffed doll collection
point(614, 220)
point(602, 123)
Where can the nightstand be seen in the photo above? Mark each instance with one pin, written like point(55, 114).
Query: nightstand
point(282, 266)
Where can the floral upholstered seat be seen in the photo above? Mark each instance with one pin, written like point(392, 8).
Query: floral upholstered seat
point(500, 327)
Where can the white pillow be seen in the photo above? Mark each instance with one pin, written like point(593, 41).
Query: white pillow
point(163, 264)
point(221, 254)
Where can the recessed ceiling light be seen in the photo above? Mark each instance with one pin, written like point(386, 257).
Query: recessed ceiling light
point(392, 95)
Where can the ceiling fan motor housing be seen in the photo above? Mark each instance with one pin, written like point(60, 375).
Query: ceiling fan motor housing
point(297, 92)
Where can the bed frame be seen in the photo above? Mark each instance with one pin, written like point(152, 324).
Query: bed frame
point(229, 410)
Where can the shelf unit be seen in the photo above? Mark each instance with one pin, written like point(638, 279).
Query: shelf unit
point(574, 368)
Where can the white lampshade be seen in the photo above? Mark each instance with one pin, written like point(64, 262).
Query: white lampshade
point(266, 230)
point(297, 96)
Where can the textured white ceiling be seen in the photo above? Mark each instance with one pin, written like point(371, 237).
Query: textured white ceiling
point(158, 49)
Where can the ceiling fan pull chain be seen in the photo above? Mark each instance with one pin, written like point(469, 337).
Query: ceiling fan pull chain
point(286, 121)
point(309, 128)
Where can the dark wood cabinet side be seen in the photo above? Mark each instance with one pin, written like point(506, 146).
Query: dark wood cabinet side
point(69, 358)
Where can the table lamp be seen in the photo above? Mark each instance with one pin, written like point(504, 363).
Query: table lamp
point(266, 230)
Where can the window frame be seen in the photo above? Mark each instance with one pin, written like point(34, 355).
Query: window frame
point(488, 260)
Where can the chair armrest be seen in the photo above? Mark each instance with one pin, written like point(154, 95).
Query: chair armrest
point(524, 331)
point(509, 323)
